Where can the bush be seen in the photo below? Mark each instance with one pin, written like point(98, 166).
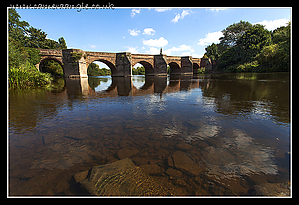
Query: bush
point(27, 76)
point(53, 67)
point(201, 70)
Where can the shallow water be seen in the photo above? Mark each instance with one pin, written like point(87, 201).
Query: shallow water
point(217, 134)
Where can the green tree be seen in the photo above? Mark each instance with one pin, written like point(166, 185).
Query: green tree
point(33, 55)
point(233, 32)
point(62, 43)
point(17, 54)
point(36, 38)
point(17, 29)
point(93, 70)
point(247, 47)
point(29, 36)
point(253, 41)
point(212, 51)
point(276, 57)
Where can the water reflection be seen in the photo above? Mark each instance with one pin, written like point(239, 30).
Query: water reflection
point(233, 127)
point(236, 154)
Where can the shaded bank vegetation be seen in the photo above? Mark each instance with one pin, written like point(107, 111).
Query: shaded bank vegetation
point(23, 41)
point(252, 48)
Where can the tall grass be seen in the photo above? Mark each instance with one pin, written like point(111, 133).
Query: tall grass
point(27, 76)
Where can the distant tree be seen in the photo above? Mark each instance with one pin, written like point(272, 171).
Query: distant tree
point(93, 69)
point(138, 71)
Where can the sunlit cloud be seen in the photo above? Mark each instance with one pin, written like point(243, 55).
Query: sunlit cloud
point(181, 16)
point(134, 32)
point(155, 42)
point(135, 11)
point(271, 25)
point(210, 38)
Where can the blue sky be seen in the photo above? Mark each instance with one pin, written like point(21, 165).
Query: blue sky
point(180, 32)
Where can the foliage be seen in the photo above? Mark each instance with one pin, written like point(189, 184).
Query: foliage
point(27, 76)
point(76, 56)
point(212, 52)
point(52, 67)
point(17, 54)
point(202, 70)
point(253, 41)
point(33, 55)
point(94, 70)
point(233, 32)
point(138, 71)
point(205, 56)
point(252, 48)
point(62, 43)
point(23, 42)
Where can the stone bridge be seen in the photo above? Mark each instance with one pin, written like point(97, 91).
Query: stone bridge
point(76, 61)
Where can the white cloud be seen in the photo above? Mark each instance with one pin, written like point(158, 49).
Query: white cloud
point(132, 49)
point(161, 10)
point(195, 55)
point(153, 50)
point(217, 9)
point(271, 25)
point(155, 42)
point(92, 46)
point(176, 18)
point(135, 11)
point(182, 47)
point(181, 16)
point(149, 31)
point(210, 38)
point(133, 32)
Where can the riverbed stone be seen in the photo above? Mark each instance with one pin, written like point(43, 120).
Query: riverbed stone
point(124, 178)
point(173, 173)
point(183, 162)
point(151, 169)
point(272, 189)
point(183, 146)
point(125, 153)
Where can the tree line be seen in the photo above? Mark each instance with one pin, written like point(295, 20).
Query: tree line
point(252, 48)
point(94, 70)
point(23, 41)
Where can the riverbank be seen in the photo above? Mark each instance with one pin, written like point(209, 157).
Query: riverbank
point(27, 76)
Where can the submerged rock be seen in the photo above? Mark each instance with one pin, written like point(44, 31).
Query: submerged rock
point(125, 153)
point(272, 189)
point(183, 162)
point(124, 178)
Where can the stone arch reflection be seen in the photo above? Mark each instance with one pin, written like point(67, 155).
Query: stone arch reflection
point(106, 86)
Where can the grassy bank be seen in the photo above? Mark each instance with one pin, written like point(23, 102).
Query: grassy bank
point(27, 76)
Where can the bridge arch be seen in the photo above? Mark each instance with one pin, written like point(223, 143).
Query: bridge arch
point(175, 68)
point(149, 70)
point(195, 67)
point(43, 60)
point(108, 63)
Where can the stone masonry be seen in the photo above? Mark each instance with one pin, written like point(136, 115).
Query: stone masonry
point(76, 61)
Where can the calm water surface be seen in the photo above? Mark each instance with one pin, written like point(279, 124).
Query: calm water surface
point(217, 134)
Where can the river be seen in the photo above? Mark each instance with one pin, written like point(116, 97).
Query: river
point(213, 134)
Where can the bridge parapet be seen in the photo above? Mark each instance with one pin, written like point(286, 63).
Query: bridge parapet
point(76, 61)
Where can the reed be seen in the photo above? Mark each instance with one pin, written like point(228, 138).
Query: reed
point(27, 76)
